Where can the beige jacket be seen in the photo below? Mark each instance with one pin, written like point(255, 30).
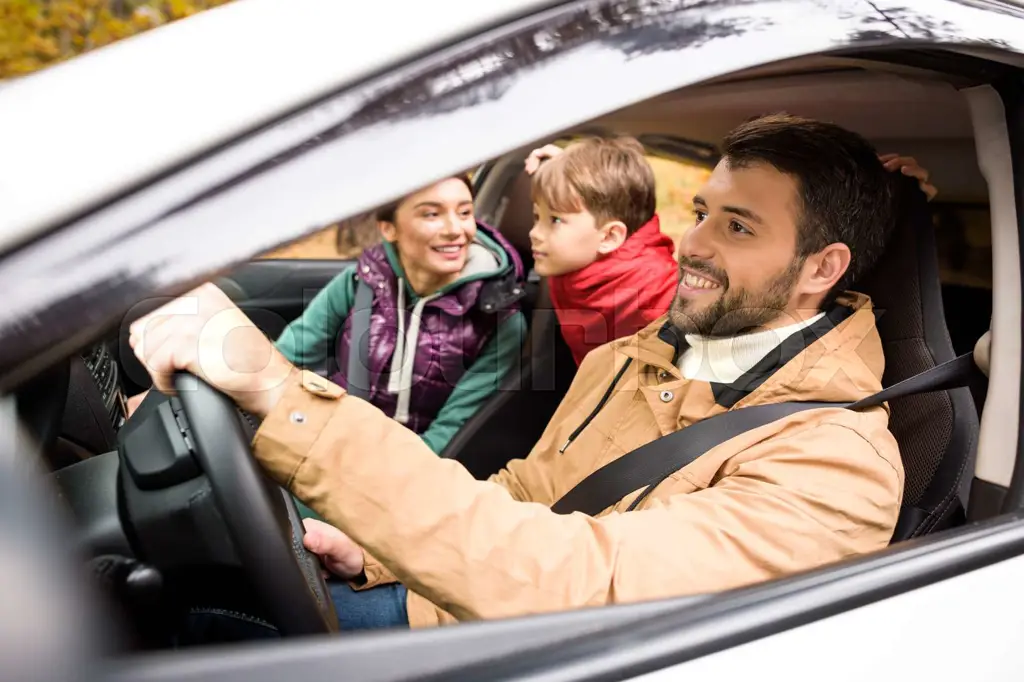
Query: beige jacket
point(807, 490)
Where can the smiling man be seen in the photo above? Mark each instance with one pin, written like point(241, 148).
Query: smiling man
point(795, 211)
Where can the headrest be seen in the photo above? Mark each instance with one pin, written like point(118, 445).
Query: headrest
point(516, 219)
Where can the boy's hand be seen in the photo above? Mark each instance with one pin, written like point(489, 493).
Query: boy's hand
point(338, 553)
point(539, 156)
point(908, 166)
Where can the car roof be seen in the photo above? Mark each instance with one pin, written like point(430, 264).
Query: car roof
point(82, 131)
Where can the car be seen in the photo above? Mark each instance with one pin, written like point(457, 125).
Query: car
point(232, 143)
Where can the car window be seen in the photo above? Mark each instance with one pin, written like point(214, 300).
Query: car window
point(676, 182)
point(964, 240)
point(344, 240)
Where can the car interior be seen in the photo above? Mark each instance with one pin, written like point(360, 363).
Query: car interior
point(933, 288)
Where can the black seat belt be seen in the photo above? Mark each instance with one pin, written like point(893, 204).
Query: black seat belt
point(357, 374)
point(650, 464)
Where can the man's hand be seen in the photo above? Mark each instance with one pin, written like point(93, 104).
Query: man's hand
point(337, 552)
point(908, 166)
point(539, 156)
point(204, 333)
point(133, 403)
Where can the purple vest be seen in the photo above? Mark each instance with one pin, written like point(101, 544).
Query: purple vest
point(454, 328)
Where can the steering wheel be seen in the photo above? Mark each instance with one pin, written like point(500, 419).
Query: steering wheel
point(261, 517)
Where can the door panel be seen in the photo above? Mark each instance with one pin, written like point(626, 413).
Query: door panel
point(275, 292)
point(383, 657)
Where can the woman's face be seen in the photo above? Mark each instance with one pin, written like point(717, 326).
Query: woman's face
point(432, 231)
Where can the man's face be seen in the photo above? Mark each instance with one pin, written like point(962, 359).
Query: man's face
point(738, 269)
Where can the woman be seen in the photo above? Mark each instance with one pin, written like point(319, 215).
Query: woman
point(444, 324)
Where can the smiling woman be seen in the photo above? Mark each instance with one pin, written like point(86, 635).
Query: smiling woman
point(431, 232)
point(441, 295)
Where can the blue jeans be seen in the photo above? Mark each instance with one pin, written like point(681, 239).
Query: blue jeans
point(378, 607)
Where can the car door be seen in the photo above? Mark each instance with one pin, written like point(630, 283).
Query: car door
point(640, 49)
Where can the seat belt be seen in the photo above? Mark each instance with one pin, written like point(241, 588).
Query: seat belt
point(650, 464)
point(357, 374)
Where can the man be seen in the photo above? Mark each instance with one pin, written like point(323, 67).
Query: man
point(795, 211)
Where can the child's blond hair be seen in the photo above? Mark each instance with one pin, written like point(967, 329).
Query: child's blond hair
point(608, 177)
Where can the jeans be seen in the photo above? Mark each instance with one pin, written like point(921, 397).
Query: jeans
point(378, 607)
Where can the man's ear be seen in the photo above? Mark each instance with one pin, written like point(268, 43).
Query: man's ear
point(613, 235)
point(824, 269)
point(388, 231)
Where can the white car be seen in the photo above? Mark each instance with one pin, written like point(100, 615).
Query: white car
point(177, 156)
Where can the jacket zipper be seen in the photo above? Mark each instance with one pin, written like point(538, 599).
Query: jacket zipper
point(604, 399)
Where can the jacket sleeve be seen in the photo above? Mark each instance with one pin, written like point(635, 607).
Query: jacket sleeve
point(309, 340)
point(481, 380)
point(471, 549)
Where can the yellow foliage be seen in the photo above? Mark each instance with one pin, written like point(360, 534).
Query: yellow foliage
point(676, 182)
point(37, 33)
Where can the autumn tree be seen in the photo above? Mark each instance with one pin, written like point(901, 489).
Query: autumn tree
point(37, 33)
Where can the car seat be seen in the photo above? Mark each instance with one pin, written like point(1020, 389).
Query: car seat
point(937, 432)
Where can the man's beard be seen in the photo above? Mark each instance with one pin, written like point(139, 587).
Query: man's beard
point(734, 312)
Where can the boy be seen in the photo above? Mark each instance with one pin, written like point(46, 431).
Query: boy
point(596, 237)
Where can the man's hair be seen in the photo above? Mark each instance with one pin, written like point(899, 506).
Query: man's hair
point(386, 212)
point(846, 195)
point(607, 176)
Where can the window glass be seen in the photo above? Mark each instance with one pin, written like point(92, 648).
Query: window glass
point(963, 238)
point(676, 182)
point(342, 240)
point(963, 235)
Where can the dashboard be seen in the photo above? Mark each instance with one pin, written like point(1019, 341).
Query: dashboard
point(93, 410)
point(106, 375)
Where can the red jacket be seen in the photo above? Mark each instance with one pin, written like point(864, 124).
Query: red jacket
point(619, 294)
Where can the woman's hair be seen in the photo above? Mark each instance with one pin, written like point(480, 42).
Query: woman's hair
point(386, 212)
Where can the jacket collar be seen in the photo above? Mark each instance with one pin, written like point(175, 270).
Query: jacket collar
point(837, 358)
point(611, 269)
point(496, 290)
point(727, 395)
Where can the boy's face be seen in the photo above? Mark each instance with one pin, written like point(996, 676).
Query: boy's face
point(564, 242)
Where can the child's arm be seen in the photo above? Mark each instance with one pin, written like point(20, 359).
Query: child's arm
point(479, 383)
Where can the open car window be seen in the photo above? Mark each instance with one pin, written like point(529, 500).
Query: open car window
point(261, 190)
